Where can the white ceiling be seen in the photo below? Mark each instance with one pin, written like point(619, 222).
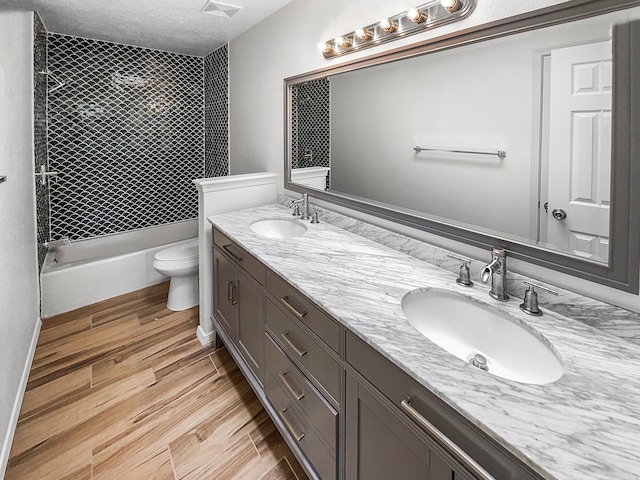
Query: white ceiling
point(172, 25)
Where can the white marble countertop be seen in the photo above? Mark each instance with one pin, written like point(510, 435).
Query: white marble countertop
point(586, 425)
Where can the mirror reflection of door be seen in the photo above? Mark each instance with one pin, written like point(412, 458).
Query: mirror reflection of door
point(577, 217)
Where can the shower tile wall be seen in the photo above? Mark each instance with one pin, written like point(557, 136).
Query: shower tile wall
point(125, 133)
point(311, 124)
point(40, 131)
point(216, 112)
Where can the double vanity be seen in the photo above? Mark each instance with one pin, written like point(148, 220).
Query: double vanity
point(375, 364)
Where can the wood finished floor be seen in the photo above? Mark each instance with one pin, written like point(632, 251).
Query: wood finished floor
point(123, 390)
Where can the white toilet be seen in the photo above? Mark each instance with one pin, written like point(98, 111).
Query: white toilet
point(180, 263)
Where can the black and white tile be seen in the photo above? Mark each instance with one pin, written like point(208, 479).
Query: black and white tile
point(311, 124)
point(40, 80)
point(125, 133)
point(216, 112)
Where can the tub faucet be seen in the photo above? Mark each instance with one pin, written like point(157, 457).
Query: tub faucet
point(302, 205)
point(53, 245)
point(496, 270)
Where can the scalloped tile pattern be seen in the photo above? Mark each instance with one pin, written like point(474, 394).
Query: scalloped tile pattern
point(311, 124)
point(126, 135)
point(216, 113)
point(40, 132)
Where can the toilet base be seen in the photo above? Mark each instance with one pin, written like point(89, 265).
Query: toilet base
point(183, 293)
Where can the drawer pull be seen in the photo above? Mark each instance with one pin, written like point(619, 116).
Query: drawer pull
point(285, 382)
point(457, 452)
point(230, 252)
point(297, 436)
point(285, 337)
point(285, 301)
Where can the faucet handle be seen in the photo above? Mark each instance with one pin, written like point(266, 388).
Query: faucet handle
point(314, 215)
point(464, 278)
point(530, 302)
point(295, 204)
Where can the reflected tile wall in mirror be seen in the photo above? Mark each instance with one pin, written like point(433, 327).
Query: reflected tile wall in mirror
point(311, 122)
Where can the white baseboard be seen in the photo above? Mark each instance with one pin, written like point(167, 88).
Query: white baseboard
point(206, 339)
point(15, 413)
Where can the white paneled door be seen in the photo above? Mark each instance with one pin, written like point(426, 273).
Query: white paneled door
point(580, 150)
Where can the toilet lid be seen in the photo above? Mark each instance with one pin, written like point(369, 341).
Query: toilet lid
point(182, 251)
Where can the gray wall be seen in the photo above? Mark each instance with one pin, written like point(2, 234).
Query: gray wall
point(18, 255)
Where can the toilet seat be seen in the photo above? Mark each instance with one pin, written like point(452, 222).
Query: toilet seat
point(179, 253)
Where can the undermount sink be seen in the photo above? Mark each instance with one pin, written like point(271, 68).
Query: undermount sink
point(278, 228)
point(483, 336)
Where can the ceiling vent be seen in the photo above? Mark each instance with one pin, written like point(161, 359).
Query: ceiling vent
point(220, 9)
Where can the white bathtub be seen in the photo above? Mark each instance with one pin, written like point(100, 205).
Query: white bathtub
point(89, 271)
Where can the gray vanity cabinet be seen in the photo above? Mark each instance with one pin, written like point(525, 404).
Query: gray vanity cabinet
point(345, 410)
point(224, 275)
point(239, 299)
point(382, 443)
point(385, 410)
point(304, 371)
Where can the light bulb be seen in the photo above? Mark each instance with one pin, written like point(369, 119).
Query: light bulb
point(341, 41)
point(387, 25)
point(451, 5)
point(362, 33)
point(416, 15)
point(324, 47)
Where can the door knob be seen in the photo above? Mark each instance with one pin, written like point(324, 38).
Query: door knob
point(559, 214)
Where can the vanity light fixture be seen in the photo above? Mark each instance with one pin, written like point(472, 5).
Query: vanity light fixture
point(416, 15)
point(388, 25)
point(415, 20)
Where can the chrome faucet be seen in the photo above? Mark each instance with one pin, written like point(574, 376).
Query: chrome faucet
point(301, 207)
point(496, 270)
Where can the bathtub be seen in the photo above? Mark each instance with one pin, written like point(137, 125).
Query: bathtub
point(92, 270)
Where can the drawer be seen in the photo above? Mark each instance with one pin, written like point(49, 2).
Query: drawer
point(299, 345)
point(248, 262)
point(323, 461)
point(396, 385)
point(318, 411)
point(305, 311)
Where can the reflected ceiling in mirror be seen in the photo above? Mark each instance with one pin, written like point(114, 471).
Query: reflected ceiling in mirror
point(507, 140)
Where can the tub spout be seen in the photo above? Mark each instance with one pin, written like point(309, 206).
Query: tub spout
point(53, 245)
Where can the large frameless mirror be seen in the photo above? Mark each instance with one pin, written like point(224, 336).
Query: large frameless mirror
point(521, 134)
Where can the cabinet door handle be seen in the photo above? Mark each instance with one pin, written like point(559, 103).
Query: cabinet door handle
point(457, 452)
point(285, 420)
point(230, 252)
point(234, 293)
point(285, 301)
point(230, 290)
point(298, 351)
point(285, 382)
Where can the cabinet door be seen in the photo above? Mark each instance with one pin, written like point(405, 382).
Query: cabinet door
point(382, 444)
point(250, 320)
point(224, 293)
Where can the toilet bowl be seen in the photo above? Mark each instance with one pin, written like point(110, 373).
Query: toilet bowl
point(180, 263)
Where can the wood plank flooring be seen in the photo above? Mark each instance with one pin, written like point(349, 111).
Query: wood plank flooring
point(124, 390)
